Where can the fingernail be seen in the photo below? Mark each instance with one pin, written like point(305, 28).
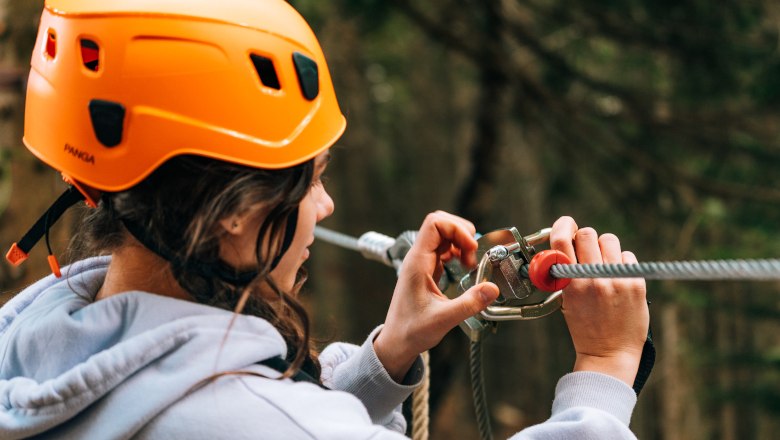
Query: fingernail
point(486, 296)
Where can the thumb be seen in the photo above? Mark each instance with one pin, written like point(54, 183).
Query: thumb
point(470, 302)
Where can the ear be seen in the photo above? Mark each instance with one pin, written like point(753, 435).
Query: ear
point(238, 224)
point(234, 224)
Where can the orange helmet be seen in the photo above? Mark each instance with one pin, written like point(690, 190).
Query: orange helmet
point(117, 88)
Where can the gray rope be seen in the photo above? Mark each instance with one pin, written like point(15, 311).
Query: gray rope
point(478, 390)
point(675, 270)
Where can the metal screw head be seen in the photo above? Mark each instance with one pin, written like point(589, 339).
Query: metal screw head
point(498, 253)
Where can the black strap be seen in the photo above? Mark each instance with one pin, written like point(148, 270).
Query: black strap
point(220, 269)
point(281, 365)
point(646, 363)
point(289, 234)
point(70, 197)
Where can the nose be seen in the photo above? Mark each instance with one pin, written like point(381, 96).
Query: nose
point(325, 205)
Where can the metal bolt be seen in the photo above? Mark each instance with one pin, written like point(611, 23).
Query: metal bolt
point(498, 253)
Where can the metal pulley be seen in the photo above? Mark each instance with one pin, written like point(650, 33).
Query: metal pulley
point(505, 256)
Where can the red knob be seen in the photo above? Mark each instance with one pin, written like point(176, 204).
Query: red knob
point(539, 270)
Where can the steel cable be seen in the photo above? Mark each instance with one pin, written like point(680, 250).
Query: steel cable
point(337, 238)
point(768, 269)
point(379, 247)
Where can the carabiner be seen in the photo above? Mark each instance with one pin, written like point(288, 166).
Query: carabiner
point(505, 256)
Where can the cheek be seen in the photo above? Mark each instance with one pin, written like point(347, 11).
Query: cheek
point(307, 213)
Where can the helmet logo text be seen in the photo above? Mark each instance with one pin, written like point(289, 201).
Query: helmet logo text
point(79, 154)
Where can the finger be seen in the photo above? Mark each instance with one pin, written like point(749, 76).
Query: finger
point(451, 254)
point(637, 284)
point(441, 227)
point(562, 237)
point(464, 241)
point(468, 255)
point(442, 231)
point(460, 221)
point(449, 251)
point(438, 272)
point(587, 246)
point(610, 249)
point(628, 257)
point(465, 223)
point(469, 303)
point(445, 247)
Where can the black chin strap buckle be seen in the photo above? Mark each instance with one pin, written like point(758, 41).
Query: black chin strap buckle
point(20, 250)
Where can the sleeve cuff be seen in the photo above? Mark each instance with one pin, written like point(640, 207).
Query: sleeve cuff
point(595, 390)
point(364, 376)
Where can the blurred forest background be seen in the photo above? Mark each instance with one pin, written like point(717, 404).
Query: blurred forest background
point(655, 120)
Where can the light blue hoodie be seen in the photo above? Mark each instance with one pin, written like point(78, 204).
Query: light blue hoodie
point(130, 366)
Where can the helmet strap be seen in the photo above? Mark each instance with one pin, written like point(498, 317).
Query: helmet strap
point(219, 270)
point(289, 234)
point(20, 250)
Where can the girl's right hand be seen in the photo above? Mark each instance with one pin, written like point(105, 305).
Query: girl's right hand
point(608, 318)
point(420, 314)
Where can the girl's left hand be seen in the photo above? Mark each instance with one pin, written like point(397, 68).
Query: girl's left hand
point(420, 314)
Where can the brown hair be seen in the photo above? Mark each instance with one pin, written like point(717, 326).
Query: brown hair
point(179, 207)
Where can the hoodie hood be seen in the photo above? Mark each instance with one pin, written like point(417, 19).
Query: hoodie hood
point(61, 354)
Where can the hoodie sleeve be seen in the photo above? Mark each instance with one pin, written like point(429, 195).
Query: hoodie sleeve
point(586, 405)
point(357, 370)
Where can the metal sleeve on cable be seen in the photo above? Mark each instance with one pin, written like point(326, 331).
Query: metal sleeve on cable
point(374, 246)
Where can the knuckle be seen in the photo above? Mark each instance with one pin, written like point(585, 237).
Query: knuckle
point(558, 242)
point(638, 286)
point(630, 286)
point(586, 232)
point(603, 286)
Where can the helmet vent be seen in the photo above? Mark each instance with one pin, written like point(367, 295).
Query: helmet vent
point(107, 121)
point(308, 76)
point(90, 54)
point(266, 72)
point(51, 44)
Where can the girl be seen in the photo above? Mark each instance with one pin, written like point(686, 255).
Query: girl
point(200, 131)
